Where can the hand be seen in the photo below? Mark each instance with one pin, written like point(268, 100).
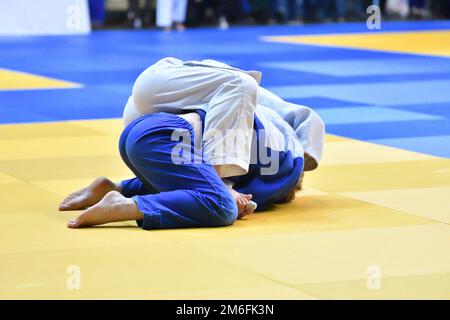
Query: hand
point(246, 206)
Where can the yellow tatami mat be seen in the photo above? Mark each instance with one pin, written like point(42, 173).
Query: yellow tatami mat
point(368, 207)
point(434, 43)
point(14, 80)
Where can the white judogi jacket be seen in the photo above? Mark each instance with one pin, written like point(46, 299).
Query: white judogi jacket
point(230, 97)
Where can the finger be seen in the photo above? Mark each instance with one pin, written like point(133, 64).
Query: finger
point(246, 213)
point(247, 196)
point(251, 205)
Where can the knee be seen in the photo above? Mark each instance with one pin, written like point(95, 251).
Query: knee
point(133, 144)
point(144, 89)
point(231, 214)
point(227, 212)
point(133, 151)
point(136, 150)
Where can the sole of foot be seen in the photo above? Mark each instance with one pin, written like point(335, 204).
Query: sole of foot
point(88, 196)
point(113, 207)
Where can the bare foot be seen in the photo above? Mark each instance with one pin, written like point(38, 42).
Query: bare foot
point(88, 196)
point(180, 27)
point(112, 208)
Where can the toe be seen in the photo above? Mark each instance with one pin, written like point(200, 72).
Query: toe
point(64, 205)
point(75, 223)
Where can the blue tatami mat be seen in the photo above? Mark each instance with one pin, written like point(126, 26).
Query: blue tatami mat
point(396, 99)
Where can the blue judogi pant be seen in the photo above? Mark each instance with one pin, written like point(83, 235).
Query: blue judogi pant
point(171, 195)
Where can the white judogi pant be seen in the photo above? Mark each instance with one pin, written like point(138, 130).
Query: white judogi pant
point(170, 11)
point(230, 97)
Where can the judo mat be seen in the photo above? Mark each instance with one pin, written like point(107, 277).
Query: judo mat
point(371, 223)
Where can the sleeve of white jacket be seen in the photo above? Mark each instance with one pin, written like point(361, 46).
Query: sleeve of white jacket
point(307, 124)
point(228, 131)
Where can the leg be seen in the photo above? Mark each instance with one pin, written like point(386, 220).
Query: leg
point(114, 207)
point(179, 13)
point(340, 9)
point(228, 97)
point(134, 187)
point(133, 14)
point(97, 12)
point(229, 124)
point(88, 196)
point(190, 194)
point(93, 193)
point(164, 13)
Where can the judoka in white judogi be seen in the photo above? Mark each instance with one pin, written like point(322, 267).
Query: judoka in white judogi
point(231, 99)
